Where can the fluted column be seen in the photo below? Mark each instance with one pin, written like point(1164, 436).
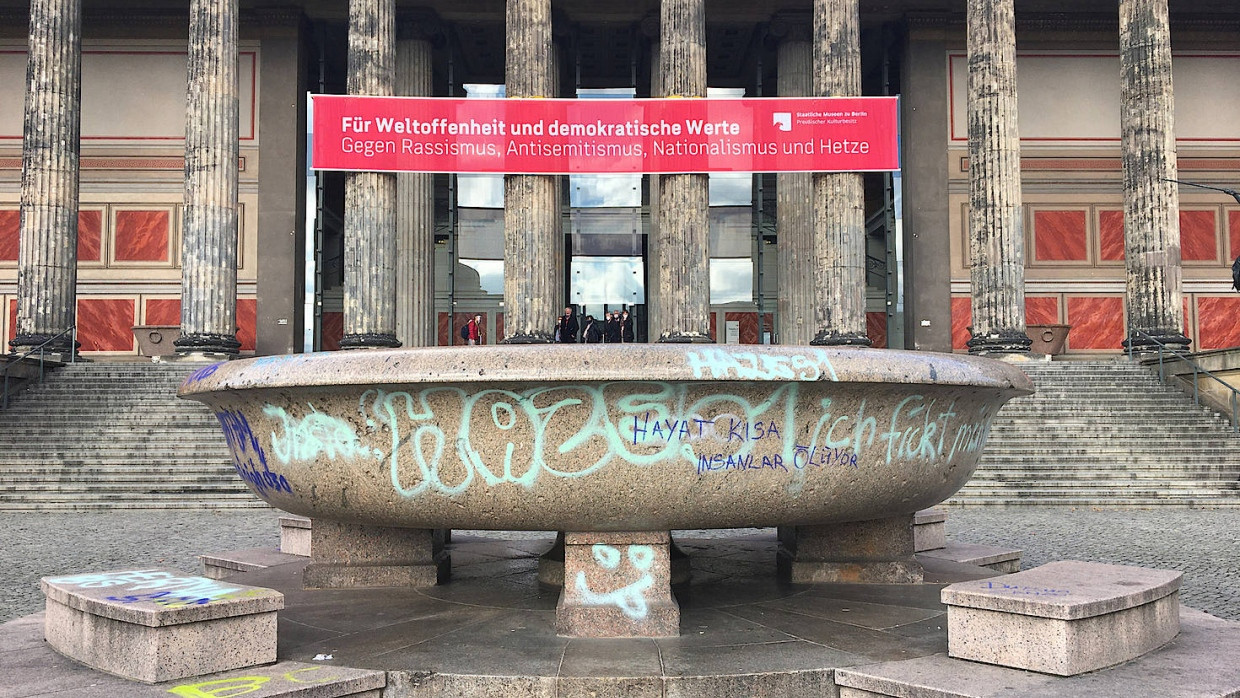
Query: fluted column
point(209, 238)
point(47, 257)
point(684, 213)
point(370, 197)
point(1151, 202)
point(996, 232)
point(794, 208)
point(839, 197)
point(654, 301)
point(415, 200)
point(533, 286)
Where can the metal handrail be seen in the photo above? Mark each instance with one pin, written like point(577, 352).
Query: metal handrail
point(42, 349)
point(1197, 369)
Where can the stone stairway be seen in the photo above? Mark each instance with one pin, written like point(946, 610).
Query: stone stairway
point(114, 436)
point(1105, 433)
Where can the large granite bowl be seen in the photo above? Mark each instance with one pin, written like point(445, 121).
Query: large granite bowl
point(597, 438)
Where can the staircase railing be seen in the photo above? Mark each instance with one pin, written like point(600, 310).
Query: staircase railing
point(1178, 355)
point(42, 351)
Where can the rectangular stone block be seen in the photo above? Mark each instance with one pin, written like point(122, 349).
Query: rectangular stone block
point(295, 535)
point(929, 530)
point(156, 625)
point(617, 585)
point(1063, 618)
point(1005, 560)
point(878, 551)
point(357, 556)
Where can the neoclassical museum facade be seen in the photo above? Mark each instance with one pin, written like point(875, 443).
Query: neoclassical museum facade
point(1049, 153)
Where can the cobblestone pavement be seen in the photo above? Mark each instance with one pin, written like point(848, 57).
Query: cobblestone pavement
point(1201, 543)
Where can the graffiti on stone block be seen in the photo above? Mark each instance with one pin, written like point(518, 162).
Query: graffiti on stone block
point(723, 364)
point(1019, 590)
point(202, 373)
point(158, 587)
point(241, 685)
point(630, 598)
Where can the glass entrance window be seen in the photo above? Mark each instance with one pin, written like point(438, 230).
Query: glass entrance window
point(480, 226)
point(731, 228)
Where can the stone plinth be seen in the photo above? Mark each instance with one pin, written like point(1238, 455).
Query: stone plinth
point(357, 556)
point(999, 559)
point(871, 552)
point(1063, 618)
point(157, 625)
point(295, 535)
point(929, 530)
point(617, 585)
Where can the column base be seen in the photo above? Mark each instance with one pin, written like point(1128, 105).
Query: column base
point(617, 585)
point(860, 552)
point(358, 556)
point(194, 357)
point(831, 338)
point(204, 343)
point(63, 349)
point(369, 340)
point(1148, 342)
point(1001, 342)
point(685, 338)
point(532, 338)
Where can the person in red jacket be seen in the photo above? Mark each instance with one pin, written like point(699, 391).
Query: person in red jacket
point(475, 330)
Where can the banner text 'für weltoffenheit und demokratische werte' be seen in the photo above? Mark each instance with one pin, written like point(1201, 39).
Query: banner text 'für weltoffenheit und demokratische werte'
point(605, 136)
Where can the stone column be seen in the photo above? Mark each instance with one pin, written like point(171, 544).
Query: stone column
point(370, 197)
point(47, 257)
point(839, 197)
point(415, 200)
point(996, 230)
point(1151, 202)
point(533, 282)
point(683, 238)
point(209, 237)
point(794, 208)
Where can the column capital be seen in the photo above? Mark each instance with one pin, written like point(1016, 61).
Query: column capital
point(420, 24)
point(791, 25)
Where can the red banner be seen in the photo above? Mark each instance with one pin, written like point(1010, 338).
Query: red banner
point(605, 136)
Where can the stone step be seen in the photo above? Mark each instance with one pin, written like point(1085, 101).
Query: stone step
point(181, 503)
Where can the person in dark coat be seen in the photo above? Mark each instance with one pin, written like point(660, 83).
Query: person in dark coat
point(591, 332)
point(568, 328)
point(626, 328)
point(612, 330)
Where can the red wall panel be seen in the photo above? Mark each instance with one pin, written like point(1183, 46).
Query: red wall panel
point(1217, 322)
point(105, 324)
point(90, 235)
point(876, 329)
point(1198, 236)
point(962, 317)
point(1111, 235)
point(142, 236)
point(333, 330)
point(1041, 310)
point(1059, 236)
point(10, 234)
point(247, 320)
point(1097, 322)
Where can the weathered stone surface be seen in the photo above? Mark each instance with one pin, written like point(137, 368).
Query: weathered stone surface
point(415, 202)
point(1063, 618)
point(353, 556)
point(532, 237)
point(996, 230)
point(839, 198)
point(683, 235)
point(1151, 200)
point(794, 206)
point(929, 530)
point(158, 625)
point(370, 197)
point(617, 584)
point(47, 251)
point(227, 564)
point(209, 248)
point(510, 439)
point(878, 551)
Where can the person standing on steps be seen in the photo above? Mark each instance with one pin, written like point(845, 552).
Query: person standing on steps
point(612, 331)
point(590, 331)
point(568, 327)
point(474, 329)
point(626, 328)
